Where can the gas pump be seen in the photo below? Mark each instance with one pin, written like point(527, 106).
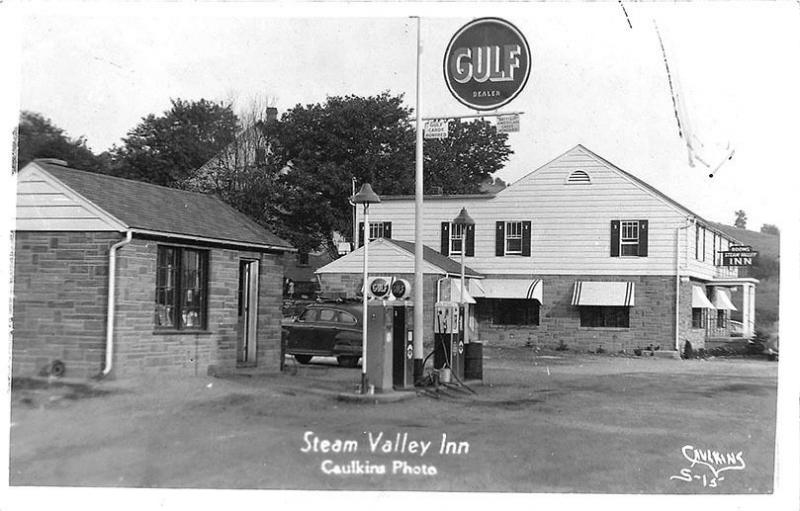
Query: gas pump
point(447, 334)
point(390, 334)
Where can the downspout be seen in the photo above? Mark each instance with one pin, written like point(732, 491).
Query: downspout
point(678, 282)
point(112, 267)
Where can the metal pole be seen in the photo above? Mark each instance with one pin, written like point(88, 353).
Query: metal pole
point(418, 261)
point(364, 302)
point(464, 315)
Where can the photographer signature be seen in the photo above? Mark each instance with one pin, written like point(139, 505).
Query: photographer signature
point(717, 462)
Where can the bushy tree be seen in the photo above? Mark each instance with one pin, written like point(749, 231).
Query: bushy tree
point(770, 229)
point(370, 139)
point(741, 219)
point(166, 149)
point(38, 137)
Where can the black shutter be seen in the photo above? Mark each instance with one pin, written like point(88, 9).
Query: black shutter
point(387, 230)
point(615, 238)
point(470, 248)
point(500, 239)
point(360, 234)
point(643, 238)
point(526, 238)
point(445, 238)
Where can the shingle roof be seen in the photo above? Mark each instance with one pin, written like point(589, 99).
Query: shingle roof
point(152, 207)
point(436, 259)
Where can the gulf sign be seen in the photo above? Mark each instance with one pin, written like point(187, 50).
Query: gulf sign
point(487, 63)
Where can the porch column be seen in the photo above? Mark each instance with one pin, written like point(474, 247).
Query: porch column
point(749, 309)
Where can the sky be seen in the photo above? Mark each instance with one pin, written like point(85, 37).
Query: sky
point(595, 79)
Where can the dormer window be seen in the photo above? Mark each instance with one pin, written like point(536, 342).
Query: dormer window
point(579, 177)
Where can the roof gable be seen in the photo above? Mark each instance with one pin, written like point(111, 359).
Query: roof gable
point(161, 210)
point(395, 256)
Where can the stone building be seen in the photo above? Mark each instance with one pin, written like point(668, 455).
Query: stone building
point(123, 278)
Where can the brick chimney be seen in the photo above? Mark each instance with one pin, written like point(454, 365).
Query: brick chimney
point(272, 114)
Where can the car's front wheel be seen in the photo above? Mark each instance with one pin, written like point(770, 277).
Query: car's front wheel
point(347, 361)
point(303, 359)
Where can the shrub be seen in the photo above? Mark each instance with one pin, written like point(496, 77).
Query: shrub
point(688, 352)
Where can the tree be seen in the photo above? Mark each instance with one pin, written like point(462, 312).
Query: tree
point(741, 219)
point(464, 160)
point(38, 137)
point(770, 229)
point(166, 149)
point(370, 139)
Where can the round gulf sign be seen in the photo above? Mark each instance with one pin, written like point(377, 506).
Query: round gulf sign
point(487, 63)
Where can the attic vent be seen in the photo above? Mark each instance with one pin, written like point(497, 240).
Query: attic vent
point(579, 177)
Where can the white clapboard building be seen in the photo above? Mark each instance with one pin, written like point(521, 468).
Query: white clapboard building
point(577, 253)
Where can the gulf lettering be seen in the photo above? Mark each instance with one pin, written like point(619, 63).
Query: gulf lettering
point(482, 63)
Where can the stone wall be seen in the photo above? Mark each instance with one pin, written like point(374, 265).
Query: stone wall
point(59, 297)
point(142, 348)
point(652, 318)
point(60, 300)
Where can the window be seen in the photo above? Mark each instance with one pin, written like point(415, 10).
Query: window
point(509, 311)
point(605, 317)
point(697, 318)
point(308, 315)
point(513, 238)
point(376, 230)
point(722, 319)
point(327, 315)
point(456, 231)
point(629, 238)
point(302, 258)
point(181, 287)
point(346, 317)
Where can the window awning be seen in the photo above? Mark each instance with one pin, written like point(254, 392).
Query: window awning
point(455, 292)
point(699, 299)
point(603, 293)
point(722, 302)
point(509, 289)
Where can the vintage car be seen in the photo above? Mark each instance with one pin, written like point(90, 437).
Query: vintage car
point(325, 330)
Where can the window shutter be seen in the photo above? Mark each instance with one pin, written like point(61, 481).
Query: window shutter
point(526, 238)
point(469, 250)
point(615, 238)
point(445, 238)
point(500, 239)
point(643, 238)
point(360, 234)
point(387, 230)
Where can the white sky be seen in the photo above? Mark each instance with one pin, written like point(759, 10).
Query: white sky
point(594, 80)
point(96, 70)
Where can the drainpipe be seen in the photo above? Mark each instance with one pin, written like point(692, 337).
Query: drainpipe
point(112, 267)
point(678, 282)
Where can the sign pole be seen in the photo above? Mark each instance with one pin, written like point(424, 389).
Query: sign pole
point(418, 261)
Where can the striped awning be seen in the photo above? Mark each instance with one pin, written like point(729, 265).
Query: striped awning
point(508, 289)
point(721, 300)
point(603, 293)
point(699, 299)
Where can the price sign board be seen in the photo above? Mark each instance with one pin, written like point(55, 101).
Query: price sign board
point(438, 128)
point(508, 123)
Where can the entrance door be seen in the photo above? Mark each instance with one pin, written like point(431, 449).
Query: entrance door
point(248, 312)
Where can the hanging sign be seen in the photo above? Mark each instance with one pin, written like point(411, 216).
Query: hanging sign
point(738, 255)
point(438, 128)
point(508, 123)
point(487, 63)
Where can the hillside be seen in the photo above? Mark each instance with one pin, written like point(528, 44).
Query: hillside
point(766, 269)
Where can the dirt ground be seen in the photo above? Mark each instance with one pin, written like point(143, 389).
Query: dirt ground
point(555, 422)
